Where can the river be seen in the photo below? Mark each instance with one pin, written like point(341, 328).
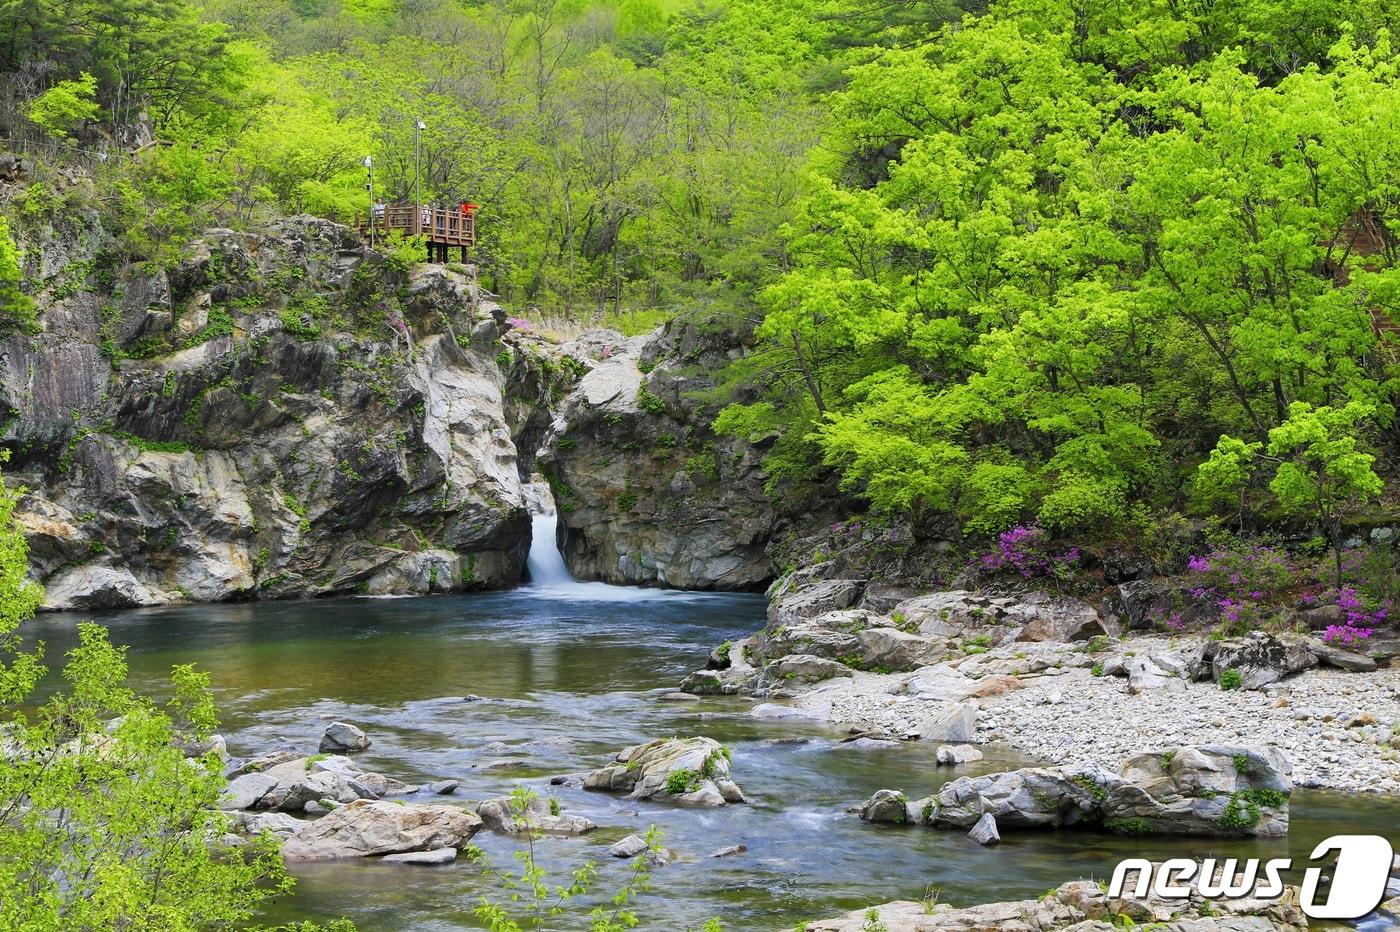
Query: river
point(568, 673)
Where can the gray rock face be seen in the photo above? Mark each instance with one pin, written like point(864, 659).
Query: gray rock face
point(885, 806)
point(369, 827)
point(340, 737)
point(265, 430)
point(690, 771)
point(647, 493)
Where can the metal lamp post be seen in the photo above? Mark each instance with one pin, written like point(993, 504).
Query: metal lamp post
point(369, 186)
point(418, 128)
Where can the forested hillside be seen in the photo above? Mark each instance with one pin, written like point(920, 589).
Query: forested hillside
point(1083, 264)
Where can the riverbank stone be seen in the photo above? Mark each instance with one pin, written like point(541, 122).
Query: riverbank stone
point(365, 828)
point(690, 771)
point(340, 737)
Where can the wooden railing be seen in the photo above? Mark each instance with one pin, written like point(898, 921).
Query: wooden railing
point(440, 226)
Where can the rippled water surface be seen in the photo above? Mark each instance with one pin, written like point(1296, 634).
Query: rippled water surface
point(567, 675)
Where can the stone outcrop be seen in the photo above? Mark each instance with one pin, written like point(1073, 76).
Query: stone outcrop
point(1082, 905)
point(1206, 790)
point(647, 493)
point(280, 414)
point(500, 814)
point(366, 828)
point(293, 784)
point(689, 771)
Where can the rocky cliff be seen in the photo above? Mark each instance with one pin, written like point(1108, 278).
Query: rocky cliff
point(647, 494)
point(277, 414)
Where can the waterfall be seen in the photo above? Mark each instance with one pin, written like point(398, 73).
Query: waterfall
point(545, 563)
point(549, 576)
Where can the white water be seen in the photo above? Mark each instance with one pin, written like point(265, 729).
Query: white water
point(545, 563)
point(550, 577)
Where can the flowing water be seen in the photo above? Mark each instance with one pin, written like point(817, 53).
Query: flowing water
point(568, 673)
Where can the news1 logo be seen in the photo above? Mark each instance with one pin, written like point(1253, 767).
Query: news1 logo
point(1357, 887)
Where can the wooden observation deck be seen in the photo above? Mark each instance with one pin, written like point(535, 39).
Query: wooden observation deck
point(440, 227)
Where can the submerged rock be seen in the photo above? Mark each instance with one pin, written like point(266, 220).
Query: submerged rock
point(691, 771)
point(365, 828)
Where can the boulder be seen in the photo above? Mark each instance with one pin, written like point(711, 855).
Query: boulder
point(1260, 659)
point(500, 814)
point(1340, 658)
point(340, 737)
point(1031, 798)
point(729, 851)
point(890, 806)
point(946, 721)
point(334, 778)
point(245, 791)
point(365, 828)
point(798, 599)
point(691, 771)
point(1145, 674)
point(950, 755)
point(804, 668)
point(275, 823)
point(893, 650)
point(939, 683)
point(985, 831)
point(1204, 790)
point(1062, 619)
point(435, 856)
point(444, 787)
point(628, 847)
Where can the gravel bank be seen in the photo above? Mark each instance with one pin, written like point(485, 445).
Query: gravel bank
point(1335, 727)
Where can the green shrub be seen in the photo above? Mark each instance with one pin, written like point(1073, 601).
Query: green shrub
point(1231, 679)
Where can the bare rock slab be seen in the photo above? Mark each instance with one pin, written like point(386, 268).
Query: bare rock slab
point(366, 828)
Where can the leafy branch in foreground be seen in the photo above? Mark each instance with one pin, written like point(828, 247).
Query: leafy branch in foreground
point(535, 900)
point(104, 822)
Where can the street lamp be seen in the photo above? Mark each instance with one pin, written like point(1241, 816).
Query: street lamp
point(369, 186)
point(418, 128)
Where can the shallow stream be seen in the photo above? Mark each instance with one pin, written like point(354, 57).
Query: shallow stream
point(568, 674)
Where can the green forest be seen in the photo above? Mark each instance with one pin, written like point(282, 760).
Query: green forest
point(1032, 275)
point(1076, 263)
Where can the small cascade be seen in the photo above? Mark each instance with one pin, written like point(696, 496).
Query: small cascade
point(549, 575)
point(545, 563)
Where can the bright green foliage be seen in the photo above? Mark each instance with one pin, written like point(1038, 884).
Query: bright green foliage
point(532, 903)
point(65, 105)
point(17, 310)
point(104, 823)
point(1053, 255)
